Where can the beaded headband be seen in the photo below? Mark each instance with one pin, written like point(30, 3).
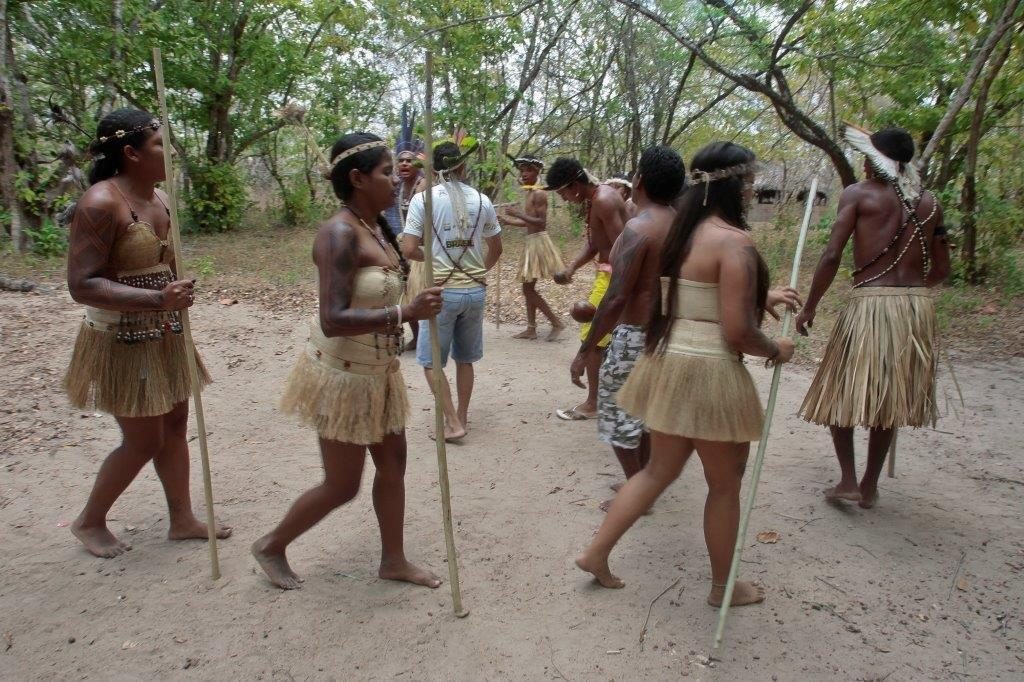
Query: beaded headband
point(619, 181)
point(118, 134)
point(352, 151)
point(700, 177)
point(528, 161)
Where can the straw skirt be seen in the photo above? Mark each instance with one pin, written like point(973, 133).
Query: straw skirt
point(540, 258)
point(697, 388)
point(879, 367)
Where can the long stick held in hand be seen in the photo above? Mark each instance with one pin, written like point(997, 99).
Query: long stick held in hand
point(190, 348)
point(762, 445)
point(435, 348)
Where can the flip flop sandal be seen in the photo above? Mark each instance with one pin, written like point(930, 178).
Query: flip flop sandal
point(573, 415)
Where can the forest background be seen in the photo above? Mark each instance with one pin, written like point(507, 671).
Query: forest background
point(596, 79)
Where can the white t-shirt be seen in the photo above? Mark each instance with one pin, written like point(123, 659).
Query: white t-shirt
point(463, 245)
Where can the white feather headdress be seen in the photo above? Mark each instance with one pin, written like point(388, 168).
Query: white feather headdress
point(903, 174)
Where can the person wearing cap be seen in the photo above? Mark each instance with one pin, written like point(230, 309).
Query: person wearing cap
point(878, 370)
point(466, 245)
point(605, 216)
point(541, 258)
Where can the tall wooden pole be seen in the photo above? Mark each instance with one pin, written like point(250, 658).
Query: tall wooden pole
point(190, 348)
point(437, 373)
point(762, 445)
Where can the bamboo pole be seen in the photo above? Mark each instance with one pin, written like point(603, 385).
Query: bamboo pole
point(190, 348)
point(435, 348)
point(892, 454)
point(763, 443)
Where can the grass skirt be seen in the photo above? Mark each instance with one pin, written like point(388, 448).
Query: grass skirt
point(144, 379)
point(345, 405)
point(416, 282)
point(540, 258)
point(697, 388)
point(879, 367)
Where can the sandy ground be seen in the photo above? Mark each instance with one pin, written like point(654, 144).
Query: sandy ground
point(925, 586)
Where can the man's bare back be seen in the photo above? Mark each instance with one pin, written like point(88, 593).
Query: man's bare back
point(639, 248)
point(604, 223)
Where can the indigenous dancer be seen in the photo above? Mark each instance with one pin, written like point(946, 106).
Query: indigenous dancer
point(631, 294)
point(605, 215)
point(410, 181)
point(624, 185)
point(129, 358)
point(691, 387)
point(463, 221)
point(346, 383)
point(878, 370)
point(540, 259)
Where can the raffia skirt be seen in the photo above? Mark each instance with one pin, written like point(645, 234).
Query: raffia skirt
point(416, 282)
point(346, 389)
point(540, 258)
point(144, 379)
point(698, 388)
point(879, 367)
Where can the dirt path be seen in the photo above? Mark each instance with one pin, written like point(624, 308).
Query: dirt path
point(926, 586)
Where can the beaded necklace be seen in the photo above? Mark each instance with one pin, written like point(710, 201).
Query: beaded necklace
point(389, 253)
point(917, 235)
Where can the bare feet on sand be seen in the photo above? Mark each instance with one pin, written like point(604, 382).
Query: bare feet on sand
point(556, 331)
point(452, 435)
point(743, 593)
point(868, 498)
point(842, 492)
point(99, 540)
point(191, 528)
point(529, 333)
point(599, 569)
point(403, 571)
point(276, 567)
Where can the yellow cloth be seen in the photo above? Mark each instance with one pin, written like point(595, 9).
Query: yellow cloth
point(600, 287)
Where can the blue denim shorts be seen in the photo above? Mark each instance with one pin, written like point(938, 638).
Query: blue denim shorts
point(460, 328)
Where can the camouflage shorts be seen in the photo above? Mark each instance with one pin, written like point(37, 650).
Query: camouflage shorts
point(614, 426)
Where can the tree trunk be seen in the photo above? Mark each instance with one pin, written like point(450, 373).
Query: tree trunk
point(999, 29)
point(969, 196)
point(8, 162)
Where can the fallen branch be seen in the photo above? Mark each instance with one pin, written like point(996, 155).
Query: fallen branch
point(956, 574)
point(643, 632)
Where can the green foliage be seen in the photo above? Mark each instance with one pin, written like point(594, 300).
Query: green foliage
point(203, 267)
point(217, 199)
point(49, 240)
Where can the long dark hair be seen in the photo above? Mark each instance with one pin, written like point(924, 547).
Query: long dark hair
point(698, 201)
point(364, 161)
point(108, 148)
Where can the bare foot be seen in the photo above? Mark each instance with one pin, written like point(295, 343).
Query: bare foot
point(841, 492)
point(607, 504)
point(868, 498)
point(743, 593)
point(276, 567)
point(529, 333)
point(98, 540)
point(599, 569)
point(194, 529)
point(556, 331)
point(409, 573)
point(452, 434)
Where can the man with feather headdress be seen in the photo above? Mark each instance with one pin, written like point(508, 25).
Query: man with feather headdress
point(878, 370)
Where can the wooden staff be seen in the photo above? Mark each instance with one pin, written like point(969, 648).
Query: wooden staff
point(435, 346)
point(763, 443)
point(892, 454)
point(190, 347)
